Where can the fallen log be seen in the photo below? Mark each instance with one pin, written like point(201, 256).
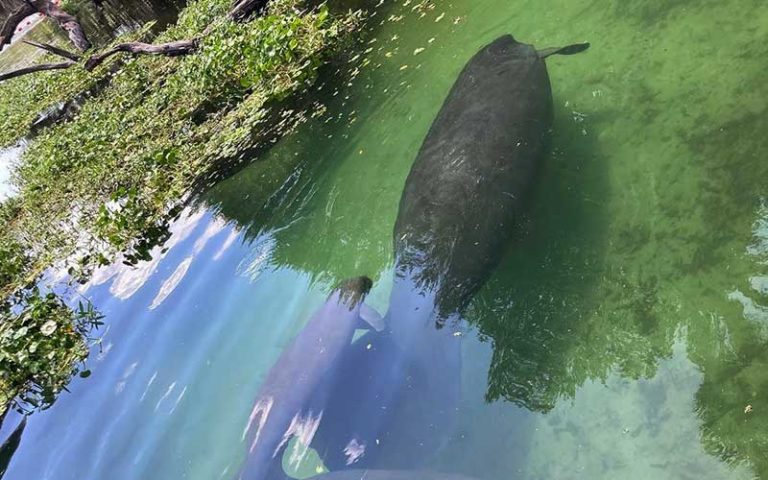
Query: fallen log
point(243, 9)
point(170, 49)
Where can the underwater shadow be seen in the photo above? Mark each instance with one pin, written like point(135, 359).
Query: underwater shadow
point(532, 307)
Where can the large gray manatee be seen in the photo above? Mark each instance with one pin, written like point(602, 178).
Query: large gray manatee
point(462, 199)
point(471, 179)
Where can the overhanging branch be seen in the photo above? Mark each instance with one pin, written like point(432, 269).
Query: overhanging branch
point(241, 11)
point(34, 69)
point(54, 50)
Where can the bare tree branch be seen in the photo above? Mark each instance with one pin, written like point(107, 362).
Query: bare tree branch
point(24, 10)
point(170, 49)
point(54, 50)
point(35, 68)
point(241, 11)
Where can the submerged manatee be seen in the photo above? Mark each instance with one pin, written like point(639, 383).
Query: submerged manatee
point(389, 400)
point(291, 401)
point(462, 198)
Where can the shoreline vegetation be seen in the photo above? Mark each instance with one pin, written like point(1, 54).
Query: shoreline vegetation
point(104, 184)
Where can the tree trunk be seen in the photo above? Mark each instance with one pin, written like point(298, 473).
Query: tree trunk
point(22, 11)
point(67, 22)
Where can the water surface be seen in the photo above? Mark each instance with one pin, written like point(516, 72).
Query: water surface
point(625, 335)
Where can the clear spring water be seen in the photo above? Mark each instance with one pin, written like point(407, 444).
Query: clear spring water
point(625, 334)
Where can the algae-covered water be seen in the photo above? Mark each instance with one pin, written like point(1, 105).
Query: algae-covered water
point(625, 334)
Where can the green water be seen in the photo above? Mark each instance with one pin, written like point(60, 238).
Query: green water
point(628, 317)
point(624, 335)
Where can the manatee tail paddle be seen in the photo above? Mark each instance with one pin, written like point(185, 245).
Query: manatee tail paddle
point(567, 50)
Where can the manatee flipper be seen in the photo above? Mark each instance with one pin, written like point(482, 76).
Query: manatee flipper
point(568, 50)
point(372, 317)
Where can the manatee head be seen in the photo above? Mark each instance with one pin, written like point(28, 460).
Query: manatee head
point(352, 291)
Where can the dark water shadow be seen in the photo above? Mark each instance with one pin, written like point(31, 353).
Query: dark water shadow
point(731, 347)
point(532, 308)
point(103, 20)
point(558, 313)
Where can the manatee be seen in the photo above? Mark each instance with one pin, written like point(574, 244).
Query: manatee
point(385, 411)
point(393, 405)
point(291, 400)
point(462, 200)
point(472, 177)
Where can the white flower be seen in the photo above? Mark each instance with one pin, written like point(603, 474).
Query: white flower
point(48, 328)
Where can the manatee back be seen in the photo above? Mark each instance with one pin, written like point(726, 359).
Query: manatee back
point(474, 171)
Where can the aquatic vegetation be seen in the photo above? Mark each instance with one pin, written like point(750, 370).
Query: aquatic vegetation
point(41, 347)
point(105, 184)
point(22, 99)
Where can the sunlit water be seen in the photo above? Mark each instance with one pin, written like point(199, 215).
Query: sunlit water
point(8, 159)
point(625, 335)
